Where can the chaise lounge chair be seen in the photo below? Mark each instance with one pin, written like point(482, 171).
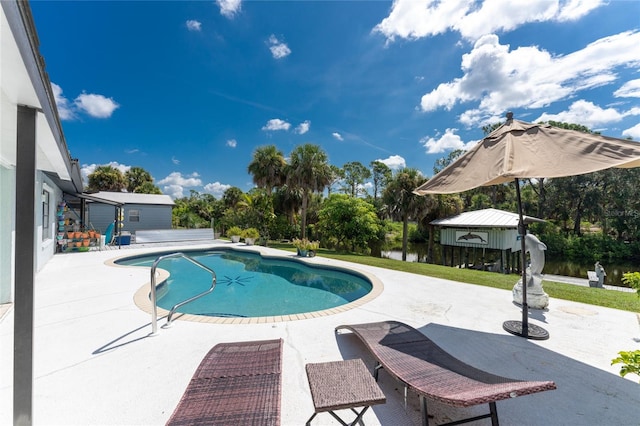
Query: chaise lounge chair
point(235, 384)
point(108, 234)
point(423, 367)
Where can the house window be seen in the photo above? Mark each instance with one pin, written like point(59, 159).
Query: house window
point(134, 215)
point(46, 226)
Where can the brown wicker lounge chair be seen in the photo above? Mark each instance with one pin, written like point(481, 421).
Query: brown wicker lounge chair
point(235, 384)
point(423, 367)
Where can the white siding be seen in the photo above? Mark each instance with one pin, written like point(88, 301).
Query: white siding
point(7, 233)
point(501, 239)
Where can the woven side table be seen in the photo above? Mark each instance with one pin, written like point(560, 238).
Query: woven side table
point(341, 385)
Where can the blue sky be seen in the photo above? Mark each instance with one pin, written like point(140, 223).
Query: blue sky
point(188, 90)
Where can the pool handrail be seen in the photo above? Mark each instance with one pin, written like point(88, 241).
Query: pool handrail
point(154, 310)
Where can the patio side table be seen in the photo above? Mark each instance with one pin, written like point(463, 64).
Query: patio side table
point(341, 385)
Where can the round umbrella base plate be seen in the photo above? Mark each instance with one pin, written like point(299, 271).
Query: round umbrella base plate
point(533, 331)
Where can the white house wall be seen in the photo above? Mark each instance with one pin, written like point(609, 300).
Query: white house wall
point(46, 241)
point(7, 234)
point(18, 88)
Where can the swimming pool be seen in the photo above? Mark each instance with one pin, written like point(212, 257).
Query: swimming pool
point(250, 285)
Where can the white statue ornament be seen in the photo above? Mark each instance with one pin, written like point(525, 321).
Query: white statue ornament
point(536, 297)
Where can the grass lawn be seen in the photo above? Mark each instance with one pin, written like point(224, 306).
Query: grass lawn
point(593, 296)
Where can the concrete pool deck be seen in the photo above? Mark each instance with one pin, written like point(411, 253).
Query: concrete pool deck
point(96, 364)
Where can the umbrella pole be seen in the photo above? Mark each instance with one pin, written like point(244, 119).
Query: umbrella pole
point(523, 328)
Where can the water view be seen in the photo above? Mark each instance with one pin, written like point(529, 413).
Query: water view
point(417, 252)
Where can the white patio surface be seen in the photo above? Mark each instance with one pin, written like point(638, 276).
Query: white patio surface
point(95, 363)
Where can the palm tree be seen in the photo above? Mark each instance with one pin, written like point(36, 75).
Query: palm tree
point(106, 178)
point(135, 177)
point(267, 167)
point(231, 197)
point(402, 202)
point(148, 188)
point(288, 200)
point(309, 171)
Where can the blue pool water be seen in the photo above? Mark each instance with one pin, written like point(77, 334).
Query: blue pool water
point(249, 285)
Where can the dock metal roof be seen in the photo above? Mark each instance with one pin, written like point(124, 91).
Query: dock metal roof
point(486, 218)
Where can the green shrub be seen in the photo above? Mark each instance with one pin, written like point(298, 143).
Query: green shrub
point(234, 230)
point(304, 244)
point(250, 233)
point(632, 279)
point(593, 247)
point(418, 235)
point(281, 229)
point(556, 244)
point(630, 361)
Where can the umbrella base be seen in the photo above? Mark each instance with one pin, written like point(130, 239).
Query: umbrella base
point(534, 332)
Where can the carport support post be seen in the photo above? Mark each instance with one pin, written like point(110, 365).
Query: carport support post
point(24, 266)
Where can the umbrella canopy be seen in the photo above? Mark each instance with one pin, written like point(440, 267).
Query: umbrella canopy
point(518, 149)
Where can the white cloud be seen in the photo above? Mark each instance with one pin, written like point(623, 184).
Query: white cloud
point(173, 191)
point(447, 142)
point(232, 143)
point(303, 127)
point(412, 19)
point(572, 10)
point(229, 8)
point(505, 15)
point(178, 179)
point(175, 161)
point(633, 132)
point(97, 106)
point(394, 162)
point(587, 114)
point(477, 117)
point(499, 79)
point(337, 136)
point(193, 25)
point(278, 49)
point(631, 89)
point(216, 189)
point(174, 184)
point(276, 124)
point(65, 108)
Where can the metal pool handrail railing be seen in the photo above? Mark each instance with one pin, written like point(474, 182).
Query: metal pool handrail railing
point(154, 312)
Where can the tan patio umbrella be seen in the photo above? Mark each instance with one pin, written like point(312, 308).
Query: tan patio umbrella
point(517, 150)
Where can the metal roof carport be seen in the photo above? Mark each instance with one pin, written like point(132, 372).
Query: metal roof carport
point(83, 197)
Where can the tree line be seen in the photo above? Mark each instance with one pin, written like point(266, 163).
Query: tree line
point(352, 207)
point(109, 178)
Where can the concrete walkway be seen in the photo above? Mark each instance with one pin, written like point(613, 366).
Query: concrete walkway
point(95, 363)
point(583, 282)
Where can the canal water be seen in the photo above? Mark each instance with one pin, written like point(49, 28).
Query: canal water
point(417, 252)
